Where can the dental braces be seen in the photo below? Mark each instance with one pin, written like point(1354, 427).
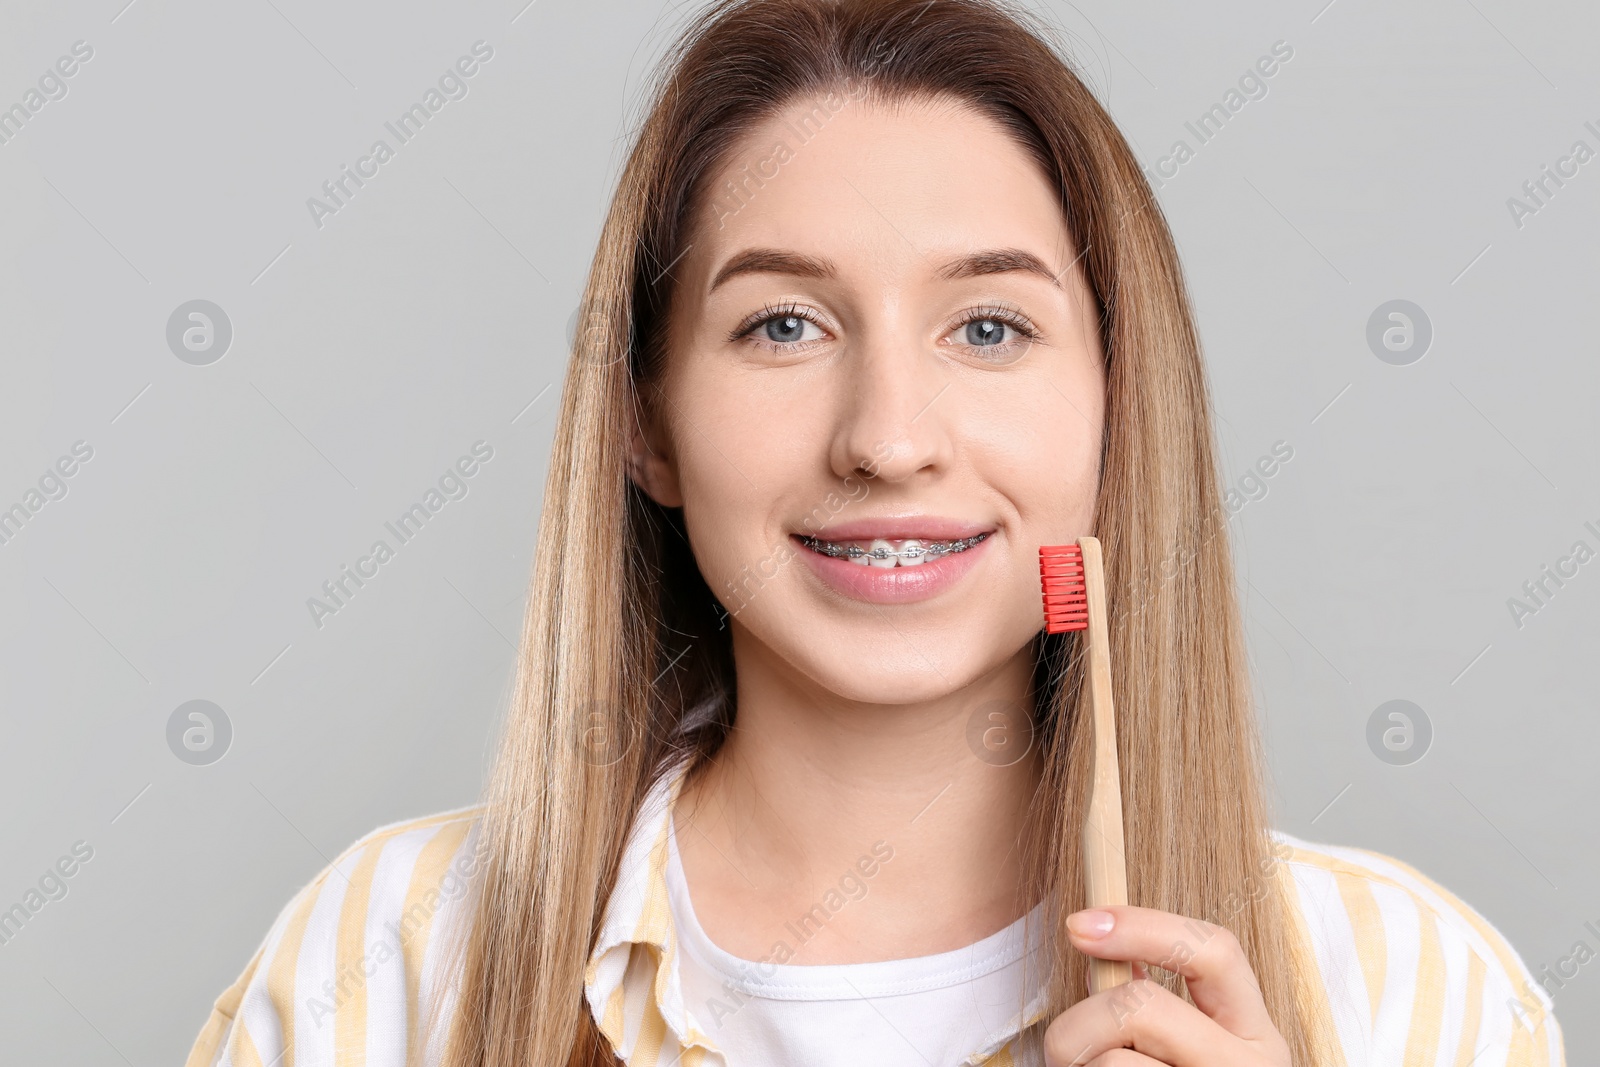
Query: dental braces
point(929, 549)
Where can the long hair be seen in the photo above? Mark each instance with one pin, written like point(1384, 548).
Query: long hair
point(622, 639)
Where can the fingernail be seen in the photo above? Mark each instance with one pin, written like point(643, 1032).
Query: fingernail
point(1092, 925)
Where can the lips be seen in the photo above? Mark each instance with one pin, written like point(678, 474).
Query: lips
point(895, 561)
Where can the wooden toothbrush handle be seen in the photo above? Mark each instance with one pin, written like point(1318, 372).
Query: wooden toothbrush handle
point(1104, 861)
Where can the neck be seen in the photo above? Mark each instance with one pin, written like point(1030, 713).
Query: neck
point(811, 791)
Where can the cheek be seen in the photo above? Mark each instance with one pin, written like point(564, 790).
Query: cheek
point(736, 452)
point(1039, 446)
point(1074, 439)
point(721, 508)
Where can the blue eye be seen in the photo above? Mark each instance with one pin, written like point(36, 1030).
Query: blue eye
point(778, 328)
point(785, 329)
point(997, 335)
point(986, 332)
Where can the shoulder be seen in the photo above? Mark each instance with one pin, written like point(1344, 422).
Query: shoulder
point(1409, 968)
point(351, 957)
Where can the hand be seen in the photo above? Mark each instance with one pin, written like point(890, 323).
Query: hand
point(1141, 1024)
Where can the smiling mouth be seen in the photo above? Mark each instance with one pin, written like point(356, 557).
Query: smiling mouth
point(910, 552)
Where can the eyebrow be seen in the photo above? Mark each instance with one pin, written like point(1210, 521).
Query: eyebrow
point(971, 265)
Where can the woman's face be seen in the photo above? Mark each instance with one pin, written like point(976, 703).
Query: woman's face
point(880, 338)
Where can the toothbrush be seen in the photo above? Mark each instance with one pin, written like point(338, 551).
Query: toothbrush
point(1073, 580)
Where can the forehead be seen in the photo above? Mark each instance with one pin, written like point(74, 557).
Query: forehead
point(876, 188)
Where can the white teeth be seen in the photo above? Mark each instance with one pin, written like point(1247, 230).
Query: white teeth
point(887, 561)
point(861, 561)
point(911, 554)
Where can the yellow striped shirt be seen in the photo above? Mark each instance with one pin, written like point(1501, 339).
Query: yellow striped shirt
point(1411, 976)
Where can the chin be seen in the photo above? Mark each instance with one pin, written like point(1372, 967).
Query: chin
point(909, 681)
point(892, 661)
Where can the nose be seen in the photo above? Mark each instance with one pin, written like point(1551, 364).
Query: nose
point(891, 426)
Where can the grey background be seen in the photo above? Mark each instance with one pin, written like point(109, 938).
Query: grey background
point(431, 312)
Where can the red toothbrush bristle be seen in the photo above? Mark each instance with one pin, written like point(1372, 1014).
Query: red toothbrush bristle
point(1066, 597)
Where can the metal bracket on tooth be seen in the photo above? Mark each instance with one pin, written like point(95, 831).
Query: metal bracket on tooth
point(932, 548)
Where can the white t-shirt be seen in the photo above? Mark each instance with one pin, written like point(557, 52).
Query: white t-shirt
point(934, 1010)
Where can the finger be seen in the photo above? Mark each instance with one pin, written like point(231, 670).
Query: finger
point(1214, 966)
point(1143, 1016)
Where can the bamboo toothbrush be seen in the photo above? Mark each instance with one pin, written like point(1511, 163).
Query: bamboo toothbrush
point(1075, 599)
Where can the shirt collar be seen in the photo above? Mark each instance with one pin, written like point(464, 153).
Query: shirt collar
point(632, 982)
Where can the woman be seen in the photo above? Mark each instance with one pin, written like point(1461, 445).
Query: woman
point(792, 776)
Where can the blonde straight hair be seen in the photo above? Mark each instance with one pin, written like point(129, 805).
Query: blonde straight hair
point(623, 639)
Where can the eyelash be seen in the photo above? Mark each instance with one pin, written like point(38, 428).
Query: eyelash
point(1011, 316)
